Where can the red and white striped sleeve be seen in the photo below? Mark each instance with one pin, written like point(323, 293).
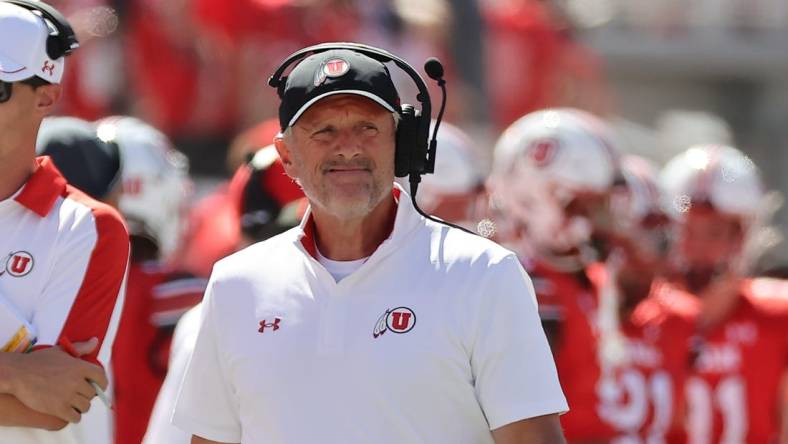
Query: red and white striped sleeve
point(84, 297)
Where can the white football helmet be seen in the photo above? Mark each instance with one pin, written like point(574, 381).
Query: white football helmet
point(454, 192)
point(156, 184)
point(544, 162)
point(728, 181)
point(719, 175)
point(640, 197)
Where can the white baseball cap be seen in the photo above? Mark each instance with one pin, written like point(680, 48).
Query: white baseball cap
point(23, 46)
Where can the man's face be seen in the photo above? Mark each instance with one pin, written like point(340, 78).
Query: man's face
point(341, 151)
point(709, 239)
point(18, 109)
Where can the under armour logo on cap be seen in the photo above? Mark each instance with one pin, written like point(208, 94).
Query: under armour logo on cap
point(48, 67)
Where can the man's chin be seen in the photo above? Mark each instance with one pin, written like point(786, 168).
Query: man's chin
point(350, 207)
point(698, 278)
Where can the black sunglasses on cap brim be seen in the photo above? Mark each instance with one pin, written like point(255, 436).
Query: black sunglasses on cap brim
point(7, 87)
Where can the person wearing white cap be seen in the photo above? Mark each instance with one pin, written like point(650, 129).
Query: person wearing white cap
point(371, 321)
point(63, 255)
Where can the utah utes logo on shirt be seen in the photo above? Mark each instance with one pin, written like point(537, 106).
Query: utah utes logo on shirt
point(398, 320)
point(18, 264)
point(542, 151)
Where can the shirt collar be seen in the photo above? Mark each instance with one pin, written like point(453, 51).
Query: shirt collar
point(42, 189)
point(405, 219)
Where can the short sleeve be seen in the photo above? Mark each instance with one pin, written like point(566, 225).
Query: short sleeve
point(84, 297)
point(515, 375)
point(207, 404)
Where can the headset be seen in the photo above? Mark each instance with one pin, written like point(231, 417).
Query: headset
point(62, 40)
point(414, 154)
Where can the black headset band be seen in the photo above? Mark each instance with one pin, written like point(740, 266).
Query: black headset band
point(277, 80)
point(65, 37)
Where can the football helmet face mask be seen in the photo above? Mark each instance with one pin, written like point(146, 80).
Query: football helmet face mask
point(553, 171)
point(641, 230)
point(156, 184)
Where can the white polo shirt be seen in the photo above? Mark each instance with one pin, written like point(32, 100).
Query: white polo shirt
point(434, 339)
point(63, 260)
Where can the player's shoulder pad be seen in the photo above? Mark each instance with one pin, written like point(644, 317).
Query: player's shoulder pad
point(768, 294)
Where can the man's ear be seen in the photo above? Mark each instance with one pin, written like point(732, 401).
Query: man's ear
point(47, 97)
point(284, 152)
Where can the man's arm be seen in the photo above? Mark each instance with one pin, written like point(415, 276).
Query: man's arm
point(47, 388)
point(197, 440)
point(84, 297)
point(540, 430)
point(15, 414)
point(515, 377)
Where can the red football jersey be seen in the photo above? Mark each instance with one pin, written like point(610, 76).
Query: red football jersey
point(733, 394)
point(156, 297)
point(644, 397)
point(569, 299)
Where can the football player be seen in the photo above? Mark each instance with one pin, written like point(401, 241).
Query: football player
point(553, 175)
point(741, 347)
point(645, 326)
point(155, 191)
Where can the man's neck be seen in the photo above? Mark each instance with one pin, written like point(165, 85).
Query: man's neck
point(348, 240)
point(17, 161)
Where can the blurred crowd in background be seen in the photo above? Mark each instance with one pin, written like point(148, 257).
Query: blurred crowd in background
point(645, 78)
point(667, 74)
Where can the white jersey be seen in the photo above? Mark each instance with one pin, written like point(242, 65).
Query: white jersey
point(63, 261)
point(160, 429)
point(434, 339)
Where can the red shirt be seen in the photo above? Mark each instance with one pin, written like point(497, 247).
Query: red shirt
point(733, 393)
point(570, 300)
point(644, 400)
point(156, 297)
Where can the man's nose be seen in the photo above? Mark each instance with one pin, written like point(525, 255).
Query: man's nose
point(348, 144)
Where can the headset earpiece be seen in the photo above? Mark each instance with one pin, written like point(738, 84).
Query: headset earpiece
point(58, 44)
point(54, 49)
point(406, 140)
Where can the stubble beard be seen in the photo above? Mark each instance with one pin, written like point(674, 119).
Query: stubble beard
point(321, 195)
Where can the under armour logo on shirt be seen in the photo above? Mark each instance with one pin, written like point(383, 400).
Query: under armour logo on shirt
point(274, 325)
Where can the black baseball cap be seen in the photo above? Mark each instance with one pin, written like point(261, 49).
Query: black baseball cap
point(338, 71)
point(87, 162)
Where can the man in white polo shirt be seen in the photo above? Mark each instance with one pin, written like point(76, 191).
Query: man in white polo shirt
point(368, 322)
point(63, 256)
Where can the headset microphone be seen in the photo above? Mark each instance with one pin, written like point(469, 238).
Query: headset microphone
point(434, 68)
